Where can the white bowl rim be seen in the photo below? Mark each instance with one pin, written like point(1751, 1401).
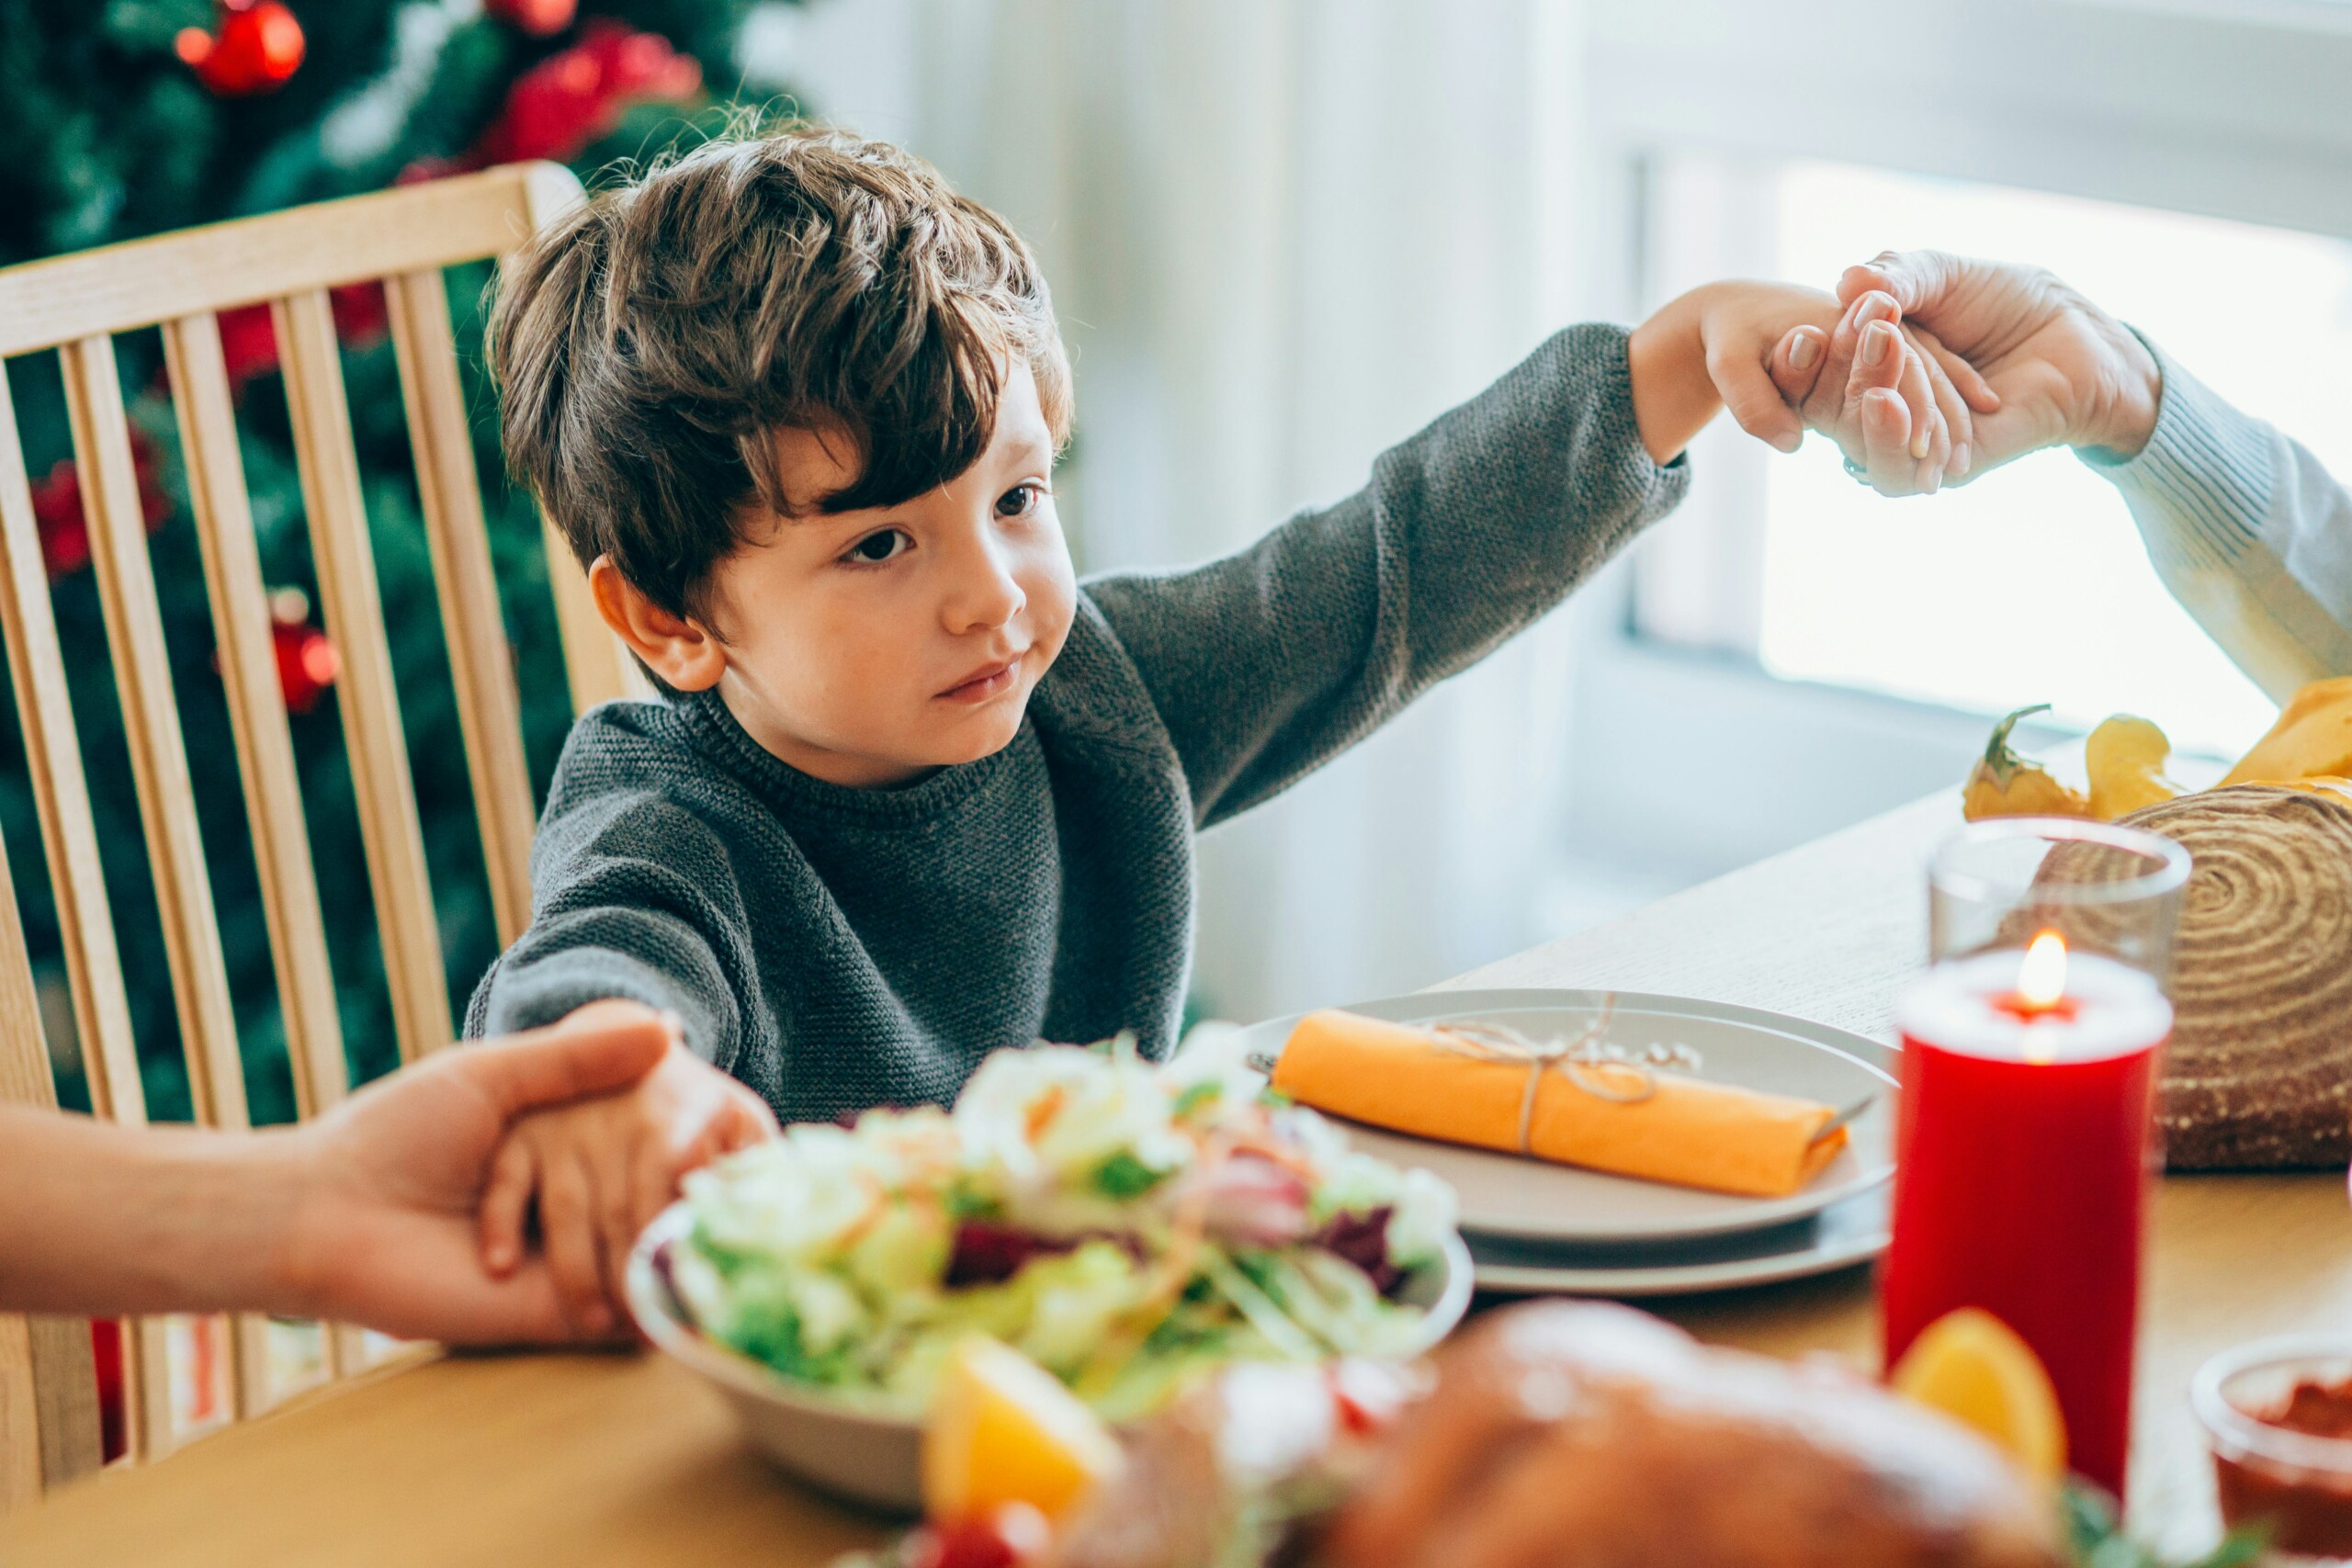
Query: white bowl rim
point(2239, 1435)
point(648, 1303)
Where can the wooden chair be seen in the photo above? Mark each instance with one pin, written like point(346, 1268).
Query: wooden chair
point(74, 305)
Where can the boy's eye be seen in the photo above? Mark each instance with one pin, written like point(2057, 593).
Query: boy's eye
point(1018, 502)
point(878, 547)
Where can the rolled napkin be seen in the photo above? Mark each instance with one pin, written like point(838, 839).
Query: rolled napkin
point(1658, 1126)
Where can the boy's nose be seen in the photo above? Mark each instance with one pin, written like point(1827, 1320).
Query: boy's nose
point(983, 591)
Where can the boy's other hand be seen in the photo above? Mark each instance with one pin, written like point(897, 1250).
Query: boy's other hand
point(1718, 343)
point(601, 1170)
point(389, 1184)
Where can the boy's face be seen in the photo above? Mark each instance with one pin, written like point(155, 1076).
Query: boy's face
point(868, 647)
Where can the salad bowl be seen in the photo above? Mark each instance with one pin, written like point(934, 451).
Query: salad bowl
point(853, 1444)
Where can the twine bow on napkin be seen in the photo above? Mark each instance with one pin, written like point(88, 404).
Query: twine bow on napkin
point(1587, 1061)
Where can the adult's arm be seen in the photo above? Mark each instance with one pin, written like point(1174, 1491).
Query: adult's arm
point(365, 1215)
point(2245, 527)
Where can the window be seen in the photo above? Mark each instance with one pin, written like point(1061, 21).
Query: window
point(2029, 584)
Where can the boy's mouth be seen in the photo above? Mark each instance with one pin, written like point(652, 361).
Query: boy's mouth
point(983, 683)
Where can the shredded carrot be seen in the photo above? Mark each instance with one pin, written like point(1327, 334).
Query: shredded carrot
point(1045, 1108)
point(878, 1203)
point(1274, 1151)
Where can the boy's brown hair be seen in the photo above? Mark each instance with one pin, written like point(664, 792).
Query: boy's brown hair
point(646, 345)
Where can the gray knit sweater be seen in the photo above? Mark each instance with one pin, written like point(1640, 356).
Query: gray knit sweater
point(838, 948)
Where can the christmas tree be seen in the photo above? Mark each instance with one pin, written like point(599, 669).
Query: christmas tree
point(134, 117)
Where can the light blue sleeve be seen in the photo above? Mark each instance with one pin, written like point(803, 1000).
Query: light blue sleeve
point(2249, 532)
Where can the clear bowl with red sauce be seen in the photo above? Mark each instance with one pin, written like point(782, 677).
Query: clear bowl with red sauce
point(2277, 1417)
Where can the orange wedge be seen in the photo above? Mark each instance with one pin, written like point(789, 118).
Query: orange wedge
point(1004, 1430)
point(1973, 1368)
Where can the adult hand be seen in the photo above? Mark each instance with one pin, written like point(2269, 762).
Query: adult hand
point(1840, 381)
point(384, 1232)
point(1711, 347)
point(2063, 371)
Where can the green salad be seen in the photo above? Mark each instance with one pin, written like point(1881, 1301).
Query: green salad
point(1125, 1225)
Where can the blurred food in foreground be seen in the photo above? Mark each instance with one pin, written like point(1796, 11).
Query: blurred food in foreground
point(1569, 1434)
point(1127, 1225)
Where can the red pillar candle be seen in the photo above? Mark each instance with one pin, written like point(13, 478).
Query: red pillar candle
point(2023, 1153)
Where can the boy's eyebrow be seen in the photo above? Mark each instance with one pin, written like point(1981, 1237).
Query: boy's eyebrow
point(1040, 446)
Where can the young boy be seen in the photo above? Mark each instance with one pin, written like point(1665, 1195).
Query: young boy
point(914, 792)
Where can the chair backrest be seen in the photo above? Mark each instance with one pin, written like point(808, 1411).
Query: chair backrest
point(74, 305)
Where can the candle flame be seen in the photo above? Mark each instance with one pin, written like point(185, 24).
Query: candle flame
point(2041, 977)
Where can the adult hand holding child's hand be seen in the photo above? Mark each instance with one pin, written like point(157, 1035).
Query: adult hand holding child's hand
point(1744, 334)
point(2059, 370)
point(602, 1169)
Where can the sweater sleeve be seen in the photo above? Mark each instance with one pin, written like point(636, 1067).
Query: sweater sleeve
point(636, 899)
point(1268, 662)
point(2248, 531)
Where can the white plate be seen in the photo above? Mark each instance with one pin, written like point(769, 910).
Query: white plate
point(853, 1447)
point(1511, 1195)
point(1842, 1236)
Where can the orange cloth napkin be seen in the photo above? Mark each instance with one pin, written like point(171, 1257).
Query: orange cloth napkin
point(1690, 1132)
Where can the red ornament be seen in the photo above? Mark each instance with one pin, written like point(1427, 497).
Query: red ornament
point(57, 507)
point(248, 342)
point(568, 100)
point(254, 46)
point(540, 18)
point(361, 315)
point(306, 662)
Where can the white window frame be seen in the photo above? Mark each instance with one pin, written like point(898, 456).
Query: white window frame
point(2229, 109)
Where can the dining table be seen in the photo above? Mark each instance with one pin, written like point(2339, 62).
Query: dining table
point(579, 1460)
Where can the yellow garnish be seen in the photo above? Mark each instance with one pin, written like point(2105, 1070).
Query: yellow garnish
point(1973, 1368)
point(1004, 1430)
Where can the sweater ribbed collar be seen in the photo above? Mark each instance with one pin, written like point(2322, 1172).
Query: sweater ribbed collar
point(795, 794)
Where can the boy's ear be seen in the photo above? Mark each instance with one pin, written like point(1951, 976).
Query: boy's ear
point(678, 649)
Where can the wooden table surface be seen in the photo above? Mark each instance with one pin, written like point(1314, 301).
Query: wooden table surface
point(581, 1461)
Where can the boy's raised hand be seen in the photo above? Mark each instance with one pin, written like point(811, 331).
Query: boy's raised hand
point(601, 1170)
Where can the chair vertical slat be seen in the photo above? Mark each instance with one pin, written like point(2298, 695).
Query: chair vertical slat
point(53, 757)
point(489, 713)
point(20, 1432)
point(113, 513)
point(274, 816)
point(290, 892)
point(48, 1394)
point(66, 1389)
point(76, 878)
point(117, 531)
point(366, 695)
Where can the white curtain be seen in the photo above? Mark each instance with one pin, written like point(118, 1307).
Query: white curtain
point(1281, 235)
